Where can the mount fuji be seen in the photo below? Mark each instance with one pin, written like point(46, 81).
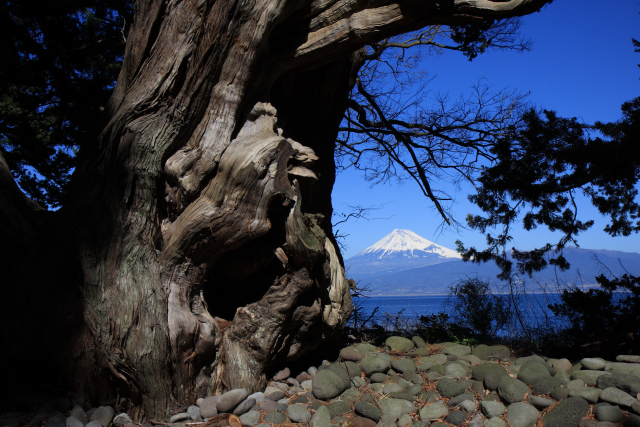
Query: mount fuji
point(397, 251)
point(403, 263)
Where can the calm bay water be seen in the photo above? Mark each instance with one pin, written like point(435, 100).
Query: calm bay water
point(416, 306)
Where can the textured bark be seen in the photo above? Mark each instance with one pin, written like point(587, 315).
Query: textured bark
point(198, 255)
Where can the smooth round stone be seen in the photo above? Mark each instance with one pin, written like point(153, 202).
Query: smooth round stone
point(250, 419)
point(351, 353)
point(623, 368)
point(379, 377)
point(327, 385)
point(322, 417)
point(532, 371)
point(587, 423)
point(94, 423)
point(275, 418)
point(307, 385)
point(340, 369)
point(403, 365)
point(71, 422)
point(433, 411)
point(456, 418)
point(609, 413)
point(179, 417)
point(468, 406)
point(562, 365)
point(104, 414)
point(338, 407)
point(477, 421)
point(595, 364)
point(512, 390)
point(400, 344)
point(495, 422)
point(395, 408)
point(229, 400)
point(590, 394)
point(368, 411)
point(374, 364)
point(545, 385)
point(563, 376)
point(275, 395)
point(391, 388)
point(436, 359)
point(194, 412)
point(268, 405)
point(492, 409)
point(569, 412)
point(541, 402)
point(457, 350)
point(244, 406)
point(450, 388)
point(298, 413)
point(619, 397)
point(366, 348)
point(522, 415)
point(455, 371)
point(605, 424)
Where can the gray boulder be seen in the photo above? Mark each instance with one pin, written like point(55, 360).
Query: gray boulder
point(327, 385)
point(433, 411)
point(403, 365)
point(522, 415)
point(594, 364)
point(448, 387)
point(590, 394)
point(208, 407)
point(400, 344)
point(244, 406)
point(541, 402)
point(275, 417)
point(532, 371)
point(250, 419)
point(395, 408)
point(492, 409)
point(589, 377)
point(612, 414)
point(512, 390)
point(489, 373)
point(567, 413)
point(104, 414)
point(373, 364)
point(368, 411)
point(618, 397)
point(298, 413)
point(229, 400)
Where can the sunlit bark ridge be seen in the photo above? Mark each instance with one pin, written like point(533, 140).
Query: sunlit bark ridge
point(199, 254)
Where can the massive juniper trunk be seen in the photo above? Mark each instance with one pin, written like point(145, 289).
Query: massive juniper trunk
point(198, 254)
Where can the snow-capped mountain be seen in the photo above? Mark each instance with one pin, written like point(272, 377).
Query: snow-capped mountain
point(397, 251)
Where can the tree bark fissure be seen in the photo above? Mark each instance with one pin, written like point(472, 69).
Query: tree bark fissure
point(199, 254)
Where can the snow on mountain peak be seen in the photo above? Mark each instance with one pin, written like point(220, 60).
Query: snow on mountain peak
point(407, 241)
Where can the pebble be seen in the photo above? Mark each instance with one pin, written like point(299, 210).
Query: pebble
point(282, 375)
point(104, 414)
point(208, 407)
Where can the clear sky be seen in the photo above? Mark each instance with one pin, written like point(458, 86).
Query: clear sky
point(582, 65)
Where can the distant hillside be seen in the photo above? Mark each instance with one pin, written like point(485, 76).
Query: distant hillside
point(437, 277)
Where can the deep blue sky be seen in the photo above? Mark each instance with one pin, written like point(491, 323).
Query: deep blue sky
point(582, 65)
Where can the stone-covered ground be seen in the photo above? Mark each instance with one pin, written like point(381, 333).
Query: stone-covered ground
point(408, 383)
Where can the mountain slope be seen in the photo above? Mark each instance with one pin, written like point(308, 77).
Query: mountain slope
point(436, 279)
point(397, 251)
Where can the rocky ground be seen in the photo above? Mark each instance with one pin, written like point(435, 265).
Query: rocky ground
point(406, 384)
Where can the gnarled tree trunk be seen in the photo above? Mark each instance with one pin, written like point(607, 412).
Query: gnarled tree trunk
point(198, 253)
